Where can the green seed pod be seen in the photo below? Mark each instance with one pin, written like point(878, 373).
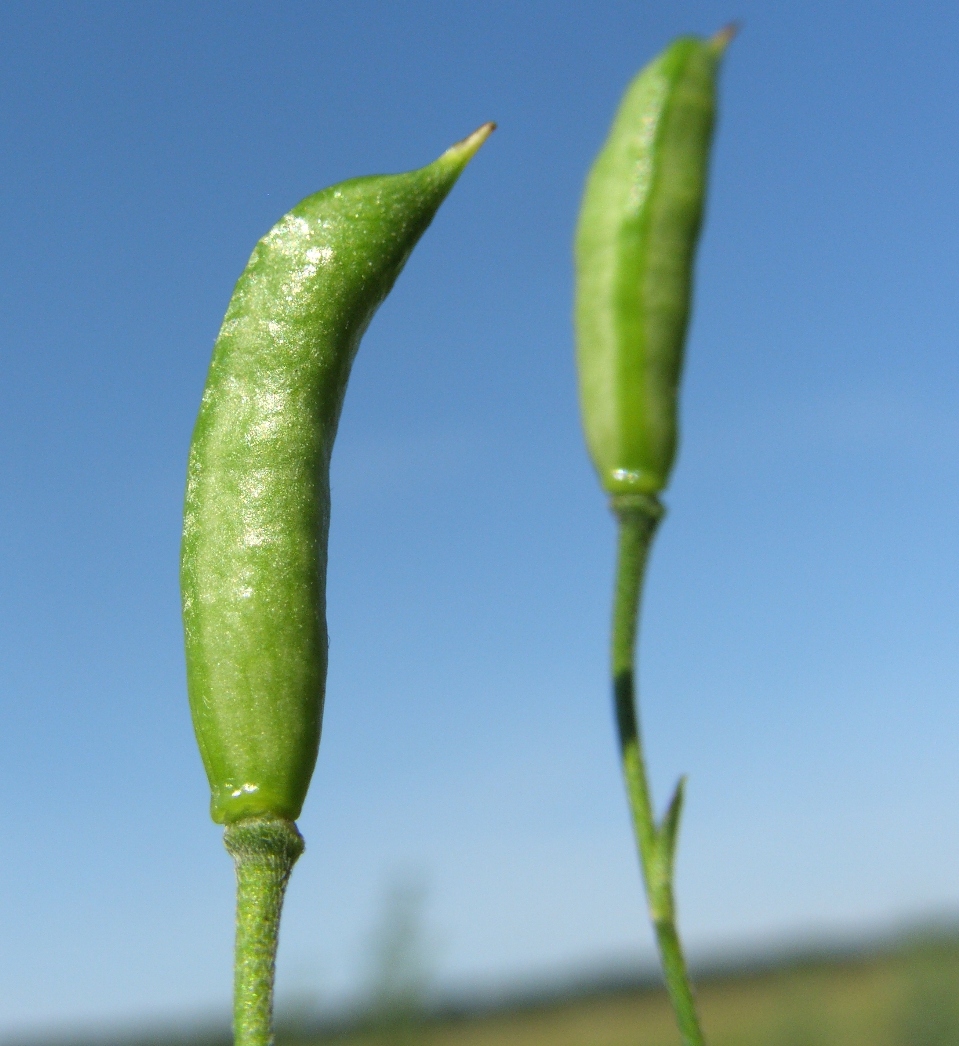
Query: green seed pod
point(253, 566)
point(635, 243)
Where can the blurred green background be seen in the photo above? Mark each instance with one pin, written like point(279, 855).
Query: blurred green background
point(900, 992)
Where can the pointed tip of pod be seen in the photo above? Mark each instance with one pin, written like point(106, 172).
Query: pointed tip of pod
point(721, 40)
point(464, 151)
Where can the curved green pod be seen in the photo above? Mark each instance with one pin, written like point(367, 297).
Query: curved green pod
point(253, 563)
point(635, 245)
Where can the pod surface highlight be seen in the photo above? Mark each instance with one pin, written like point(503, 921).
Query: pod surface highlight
point(256, 518)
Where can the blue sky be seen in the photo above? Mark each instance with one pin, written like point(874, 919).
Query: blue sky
point(799, 654)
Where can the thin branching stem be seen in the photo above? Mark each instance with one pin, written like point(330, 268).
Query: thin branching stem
point(638, 517)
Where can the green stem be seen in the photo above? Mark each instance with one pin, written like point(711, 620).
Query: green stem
point(264, 850)
point(639, 516)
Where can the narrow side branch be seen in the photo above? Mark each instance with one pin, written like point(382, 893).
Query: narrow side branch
point(264, 850)
point(638, 517)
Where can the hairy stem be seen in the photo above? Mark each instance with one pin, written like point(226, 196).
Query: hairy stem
point(264, 850)
point(638, 517)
